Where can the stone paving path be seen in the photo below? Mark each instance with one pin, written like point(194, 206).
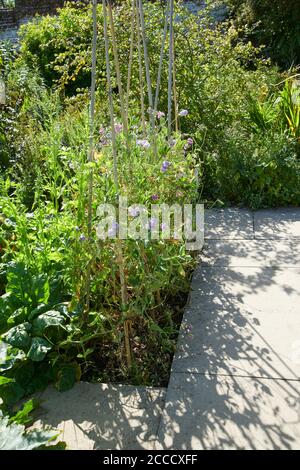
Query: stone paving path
point(103, 416)
point(235, 381)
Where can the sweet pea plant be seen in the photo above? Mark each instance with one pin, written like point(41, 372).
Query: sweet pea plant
point(52, 260)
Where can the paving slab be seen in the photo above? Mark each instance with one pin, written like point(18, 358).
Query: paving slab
point(277, 223)
point(253, 289)
point(228, 341)
point(228, 223)
point(251, 253)
point(217, 412)
point(102, 416)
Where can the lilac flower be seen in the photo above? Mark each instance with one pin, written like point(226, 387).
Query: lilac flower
point(160, 114)
point(183, 113)
point(165, 166)
point(113, 229)
point(143, 143)
point(154, 197)
point(133, 211)
point(82, 238)
point(118, 127)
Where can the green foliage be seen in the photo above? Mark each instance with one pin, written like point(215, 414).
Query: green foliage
point(262, 172)
point(275, 24)
point(14, 437)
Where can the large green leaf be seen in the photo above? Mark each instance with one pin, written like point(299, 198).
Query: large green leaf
point(19, 316)
point(18, 336)
point(23, 415)
point(38, 349)
point(10, 391)
point(7, 307)
point(19, 283)
point(14, 437)
point(26, 289)
point(45, 320)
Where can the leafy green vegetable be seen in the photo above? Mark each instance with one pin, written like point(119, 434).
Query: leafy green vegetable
point(18, 336)
point(38, 349)
point(46, 320)
point(14, 437)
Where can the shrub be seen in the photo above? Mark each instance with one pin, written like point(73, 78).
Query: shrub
point(275, 24)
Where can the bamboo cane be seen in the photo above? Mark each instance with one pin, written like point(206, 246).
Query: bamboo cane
point(175, 89)
point(117, 66)
point(170, 76)
point(130, 57)
point(140, 69)
point(116, 181)
point(91, 148)
point(146, 58)
point(161, 58)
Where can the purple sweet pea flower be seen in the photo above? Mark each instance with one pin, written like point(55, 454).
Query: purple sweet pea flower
point(154, 197)
point(112, 232)
point(118, 128)
point(82, 238)
point(183, 113)
point(152, 222)
point(160, 114)
point(143, 143)
point(165, 166)
point(172, 142)
point(133, 211)
point(190, 141)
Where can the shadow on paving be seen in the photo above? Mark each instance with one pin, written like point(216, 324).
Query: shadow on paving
point(100, 416)
point(235, 375)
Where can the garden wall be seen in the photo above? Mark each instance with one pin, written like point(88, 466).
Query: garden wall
point(31, 7)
